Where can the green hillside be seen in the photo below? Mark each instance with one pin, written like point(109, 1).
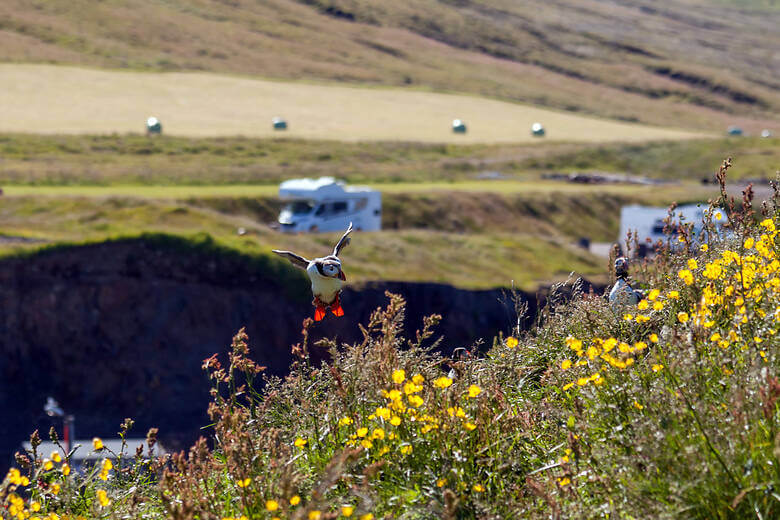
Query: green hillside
point(688, 63)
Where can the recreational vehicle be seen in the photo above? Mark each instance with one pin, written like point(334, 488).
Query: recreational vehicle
point(648, 222)
point(325, 204)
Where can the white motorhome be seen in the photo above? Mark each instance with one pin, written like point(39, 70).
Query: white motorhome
point(648, 222)
point(325, 204)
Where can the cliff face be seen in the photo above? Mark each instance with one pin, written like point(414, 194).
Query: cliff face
point(120, 329)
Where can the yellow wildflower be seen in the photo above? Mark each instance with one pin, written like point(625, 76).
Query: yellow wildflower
point(643, 305)
point(704, 247)
point(47, 464)
point(102, 497)
point(406, 449)
point(682, 317)
point(315, 515)
point(362, 432)
point(478, 488)
point(674, 295)
point(637, 405)
point(749, 243)
point(692, 264)
point(244, 483)
point(415, 400)
point(442, 382)
point(686, 276)
point(345, 421)
point(378, 433)
point(295, 500)
point(470, 426)
point(300, 443)
point(566, 364)
point(441, 482)
point(367, 516)
point(565, 481)
point(66, 469)
point(657, 306)
point(657, 367)
point(655, 293)
point(474, 391)
point(97, 443)
point(395, 420)
point(628, 316)
point(347, 511)
point(55, 456)
point(653, 338)
point(418, 379)
point(399, 376)
point(511, 342)
point(271, 505)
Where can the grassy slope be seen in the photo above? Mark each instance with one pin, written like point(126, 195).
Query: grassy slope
point(390, 255)
point(136, 160)
point(680, 63)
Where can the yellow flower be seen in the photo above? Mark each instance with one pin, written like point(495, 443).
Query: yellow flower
point(674, 295)
point(704, 247)
point(692, 264)
point(300, 443)
point(406, 450)
point(641, 318)
point(474, 391)
point(102, 497)
point(418, 379)
point(65, 469)
point(686, 276)
point(399, 376)
point(565, 481)
point(315, 515)
point(415, 400)
point(367, 444)
point(367, 516)
point(442, 382)
point(582, 381)
point(643, 305)
point(345, 421)
point(243, 483)
point(653, 338)
point(640, 345)
point(47, 464)
point(511, 342)
point(271, 505)
point(295, 500)
point(362, 432)
point(35, 506)
point(768, 224)
point(441, 482)
point(718, 216)
point(749, 243)
point(383, 412)
point(682, 317)
point(657, 367)
point(378, 433)
point(470, 426)
point(347, 511)
point(637, 405)
point(628, 317)
point(655, 293)
point(97, 443)
point(657, 306)
point(566, 364)
point(478, 488)
point(395, 420)
point(55, 456)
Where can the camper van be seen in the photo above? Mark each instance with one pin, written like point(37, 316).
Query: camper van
point(648, 222)
point(325, 204)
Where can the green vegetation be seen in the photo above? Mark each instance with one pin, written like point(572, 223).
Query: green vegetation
point(650, 65)
point(167, 161)
point(666, 408)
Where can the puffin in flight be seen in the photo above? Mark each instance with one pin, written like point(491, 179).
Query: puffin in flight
point(326, 277)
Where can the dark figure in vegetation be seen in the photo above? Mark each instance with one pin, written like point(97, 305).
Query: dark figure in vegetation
point(327, 278)
point(622, 293)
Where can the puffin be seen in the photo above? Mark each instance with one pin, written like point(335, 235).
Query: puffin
point(327, 278)
point(622, 293)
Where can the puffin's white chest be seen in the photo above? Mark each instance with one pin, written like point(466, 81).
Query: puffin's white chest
point(323, 287)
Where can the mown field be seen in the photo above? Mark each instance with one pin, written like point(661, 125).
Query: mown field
point(701, 64)
point(197, 104)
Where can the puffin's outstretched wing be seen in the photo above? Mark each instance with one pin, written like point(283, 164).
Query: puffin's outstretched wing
point(343, 242)
point(296, 260)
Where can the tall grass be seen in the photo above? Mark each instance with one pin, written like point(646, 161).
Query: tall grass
point(664, 409)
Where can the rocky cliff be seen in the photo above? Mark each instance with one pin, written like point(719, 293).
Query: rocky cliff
point(120, 329)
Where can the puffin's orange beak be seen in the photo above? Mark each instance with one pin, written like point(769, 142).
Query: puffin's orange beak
point(341, 275)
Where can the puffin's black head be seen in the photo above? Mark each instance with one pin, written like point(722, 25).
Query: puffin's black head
point(621, 267)
point(332, 269)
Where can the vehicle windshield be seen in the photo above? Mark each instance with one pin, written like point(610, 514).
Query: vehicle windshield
point(299, 207)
